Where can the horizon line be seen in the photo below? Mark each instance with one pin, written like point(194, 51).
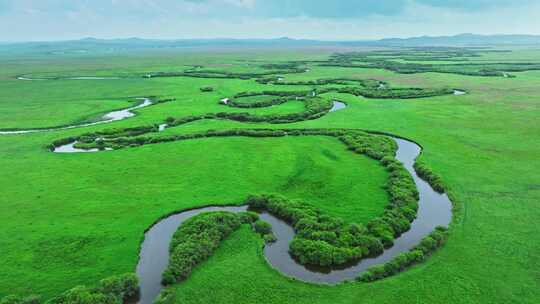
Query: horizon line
point(254, 38)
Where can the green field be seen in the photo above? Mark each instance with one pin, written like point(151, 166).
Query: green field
point(74, 219)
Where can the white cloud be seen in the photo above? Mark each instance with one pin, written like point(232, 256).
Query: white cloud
point(198, 19)
point(242, 3)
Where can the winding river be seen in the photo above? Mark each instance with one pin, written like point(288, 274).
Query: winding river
point(70, 148)
point(435, 209)
point(107, 118)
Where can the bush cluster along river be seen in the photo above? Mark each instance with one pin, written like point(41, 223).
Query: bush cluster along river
point(435, 209)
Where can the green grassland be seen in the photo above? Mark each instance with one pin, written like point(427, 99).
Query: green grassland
point(63, 225)
point(70, 219)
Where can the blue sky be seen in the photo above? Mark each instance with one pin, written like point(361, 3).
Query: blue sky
point(25, 20)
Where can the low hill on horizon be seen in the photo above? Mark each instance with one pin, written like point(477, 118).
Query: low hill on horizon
point(111, 45)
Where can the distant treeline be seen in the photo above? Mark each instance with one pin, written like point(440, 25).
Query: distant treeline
point(403, 62)
point(369, 88)
point(209, 73)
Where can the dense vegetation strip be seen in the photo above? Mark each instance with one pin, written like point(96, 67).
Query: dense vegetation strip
point(93, 140)
point(368, 88)
point(324, 240)
point(166, 296)
point(429, 176)
point(254, 100)
point(276, 80)
point(208, 73)
point(198, 238)
point(113, 290)
point(401, 61)
point(427, 246)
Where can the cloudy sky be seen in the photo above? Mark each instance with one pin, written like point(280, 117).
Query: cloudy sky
point(29, 20)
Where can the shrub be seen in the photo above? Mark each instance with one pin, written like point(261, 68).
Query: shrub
point(166, 296)
point(248, 217)
point(400, 93)
point(12, 299)
point(113, 290)
point(84, 295)
point(320, 239)
point(426, 174)
point(126, 285)
point(235, 102)
point(373, 273)
point(64, 141)
point(207, 89)
point(163, 100)
point(269, 238)
point(262, 227)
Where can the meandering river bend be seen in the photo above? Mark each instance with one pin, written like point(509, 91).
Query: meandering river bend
point(435, 209)
point(107, 118)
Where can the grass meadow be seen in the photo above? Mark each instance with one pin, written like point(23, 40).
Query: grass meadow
point(72, 219)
